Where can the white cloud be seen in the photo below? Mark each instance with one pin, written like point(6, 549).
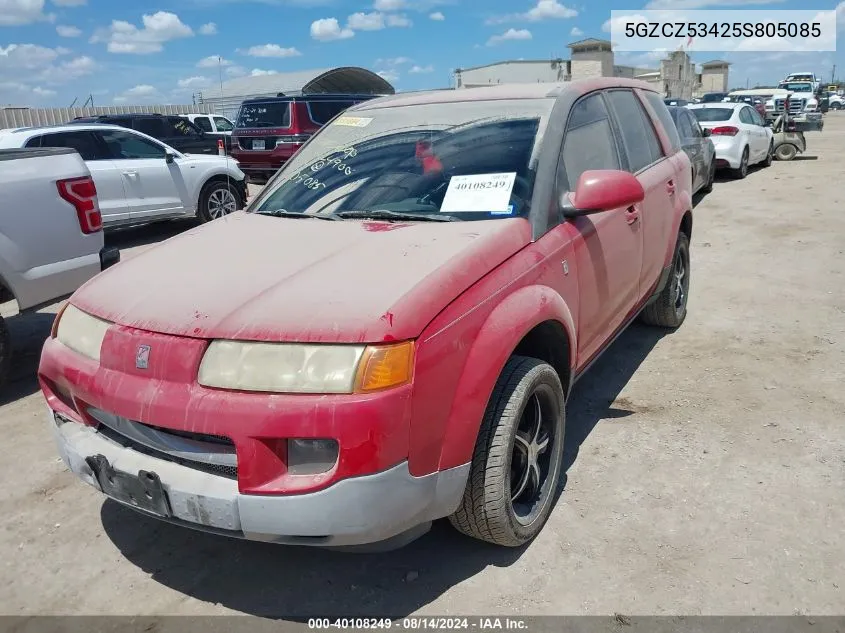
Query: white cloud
point(236, 71)
point(257, 72)
point(510, 34)
point(437, 16)
point(543, 10)
point(61, 50)
point(366, 21)
point(270, 50)
point(394, 61)
point(576, 32)
point(70, 3)
point(26, 57)
point(418, 70)
point(18, 12)
point(44, 92)
point(141, 92)
point(68, 31)
point(328, 29)
point(158, 28)
point(389, 5)
point(208, 29)
point(212, 61)
point(194, 82)
point(703, 4)
point(398, 20)
point(389, 75)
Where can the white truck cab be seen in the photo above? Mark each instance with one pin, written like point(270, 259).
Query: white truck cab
point(801, 95)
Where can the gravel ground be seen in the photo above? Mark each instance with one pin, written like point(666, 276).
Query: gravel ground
point(705, 468)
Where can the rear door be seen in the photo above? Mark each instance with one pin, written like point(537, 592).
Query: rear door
point(106, 175)
point(608, 259)
point(153, 186)
point(658, 176)
point(691, 146)
point(753, 133)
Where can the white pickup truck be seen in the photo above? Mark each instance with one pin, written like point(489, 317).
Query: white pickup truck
point(51, 231)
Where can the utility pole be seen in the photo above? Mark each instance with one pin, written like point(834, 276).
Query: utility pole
point(833, 74)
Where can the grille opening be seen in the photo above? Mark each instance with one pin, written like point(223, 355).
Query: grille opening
point(230, 472)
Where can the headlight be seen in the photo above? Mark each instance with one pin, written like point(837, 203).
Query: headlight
point(299, 368)
point(81, 332)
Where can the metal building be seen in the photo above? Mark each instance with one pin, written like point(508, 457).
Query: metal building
point(227, 99)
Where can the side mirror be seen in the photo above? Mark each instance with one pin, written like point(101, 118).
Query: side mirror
point(602, 190)
point(706, 132)
point(169, 157)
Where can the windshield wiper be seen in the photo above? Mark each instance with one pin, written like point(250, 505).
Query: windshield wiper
point(283, 213)
point(384, 214)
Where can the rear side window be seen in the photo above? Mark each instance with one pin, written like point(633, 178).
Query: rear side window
point(120, 122)
point(223, 125)
point(203, 123)
point(264, 114)
point(588, 143)
point(151, 127)
point(83, 142)
point(665, 119)
point(324, 111)
point(638, 137)
point(745, 116)
point(694, 127)
point(684, 128)
point(177, 126)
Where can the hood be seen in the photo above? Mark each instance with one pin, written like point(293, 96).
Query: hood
point(253, 277)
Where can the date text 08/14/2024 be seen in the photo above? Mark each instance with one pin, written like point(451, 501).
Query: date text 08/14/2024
point(419, 623)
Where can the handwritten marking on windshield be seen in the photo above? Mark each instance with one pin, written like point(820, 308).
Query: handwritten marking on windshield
point(309, 181)
point(337, 161)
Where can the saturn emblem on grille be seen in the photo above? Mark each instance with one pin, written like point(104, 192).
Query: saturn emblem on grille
point(142, 358)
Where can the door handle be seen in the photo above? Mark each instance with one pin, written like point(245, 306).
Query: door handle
point(130, 173)
point(670, 186)
point(632, 215)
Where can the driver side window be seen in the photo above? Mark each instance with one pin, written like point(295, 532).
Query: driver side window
point(588, 142)
point(127, 146)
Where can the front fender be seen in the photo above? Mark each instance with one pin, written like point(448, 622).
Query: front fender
point(501, 332)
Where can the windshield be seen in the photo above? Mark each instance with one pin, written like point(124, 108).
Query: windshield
point(712, 114)
point(465, 161)
point(264, 114)
point(796, 87)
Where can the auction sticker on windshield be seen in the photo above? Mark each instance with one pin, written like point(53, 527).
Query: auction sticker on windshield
point(485, 193)
point(353, 121)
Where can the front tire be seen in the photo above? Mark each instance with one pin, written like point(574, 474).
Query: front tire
point(770, 155)
point(518, 457)
point(669, 309)
point(786, 151)
point(711, 176)
point(217, 199)
point(5, 352)
point(742, 171)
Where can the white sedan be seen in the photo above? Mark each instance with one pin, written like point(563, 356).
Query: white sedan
point(140, 179)
point(739, 134)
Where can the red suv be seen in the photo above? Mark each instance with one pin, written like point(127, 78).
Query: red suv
point(412, 298)
point(269, 130)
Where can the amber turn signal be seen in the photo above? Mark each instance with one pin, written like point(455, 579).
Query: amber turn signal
point(384, 366)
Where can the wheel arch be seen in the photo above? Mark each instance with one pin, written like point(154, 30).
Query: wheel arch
point(533, 321)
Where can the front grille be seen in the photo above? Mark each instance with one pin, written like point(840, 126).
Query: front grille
point(796, 106)
point(245, 142)
point(213, 454)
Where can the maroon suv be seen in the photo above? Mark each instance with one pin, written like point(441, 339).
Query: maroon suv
point(269, 130)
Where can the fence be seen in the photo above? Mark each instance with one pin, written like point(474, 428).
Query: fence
point(32, 117)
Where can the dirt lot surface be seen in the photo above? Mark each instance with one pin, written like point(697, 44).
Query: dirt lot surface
point(705, 468)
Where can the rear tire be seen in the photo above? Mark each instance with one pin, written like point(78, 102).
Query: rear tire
point(217, 199)
point(670, 308)
point(518, 457)
point(5, 352)
point(742, 171)
point(786, 151)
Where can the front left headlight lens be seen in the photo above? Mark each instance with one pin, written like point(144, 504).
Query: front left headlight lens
point(81, 332)
point(280, 367)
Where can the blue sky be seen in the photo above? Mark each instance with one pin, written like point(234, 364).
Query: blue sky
point(52, 51)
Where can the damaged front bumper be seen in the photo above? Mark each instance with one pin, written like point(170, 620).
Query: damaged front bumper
point(389, 508)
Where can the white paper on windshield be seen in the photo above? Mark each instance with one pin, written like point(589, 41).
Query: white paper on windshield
point(353, 121)
point(484, 193)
